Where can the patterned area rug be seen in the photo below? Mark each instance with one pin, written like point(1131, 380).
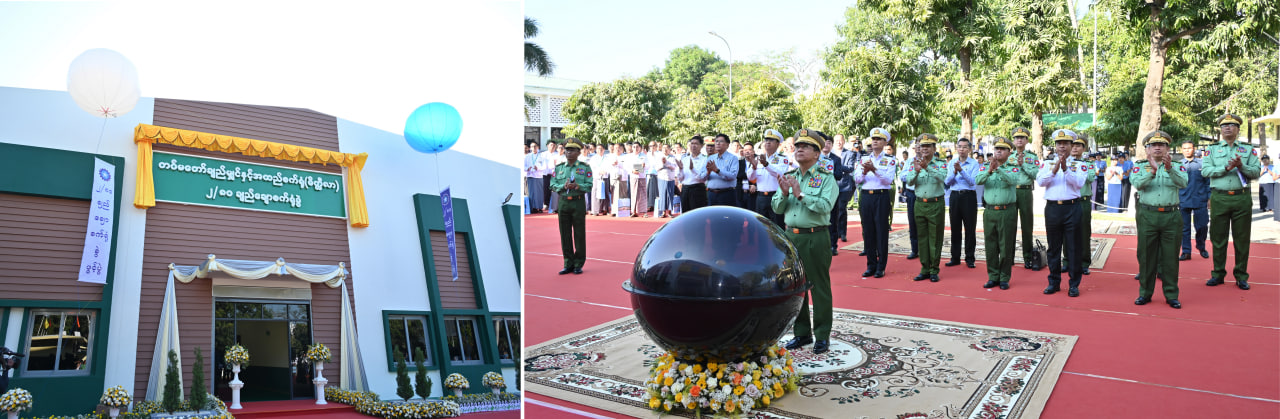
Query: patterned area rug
point(900, 243)
point(879, 366)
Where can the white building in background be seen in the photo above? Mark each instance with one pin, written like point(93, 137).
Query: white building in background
point(545, 120)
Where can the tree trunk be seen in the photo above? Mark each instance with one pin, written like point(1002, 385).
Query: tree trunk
point(966, 116)
point(1037, 133)
point(1151, 113)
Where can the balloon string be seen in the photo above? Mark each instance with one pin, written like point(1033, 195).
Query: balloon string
point(101, 131)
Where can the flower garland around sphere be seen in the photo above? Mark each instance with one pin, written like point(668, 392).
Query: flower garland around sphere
point(237, 354)
point(456, 380)
point(116, 397)
point(721, 388)
point(494, 380)
point(318, 352)
point(15, 400)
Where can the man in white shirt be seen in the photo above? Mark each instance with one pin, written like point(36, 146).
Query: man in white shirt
point(875, 176)
point(1062, 179)
point(693, 175)
point(765, 172)
point(599, 181)
point(533, 178)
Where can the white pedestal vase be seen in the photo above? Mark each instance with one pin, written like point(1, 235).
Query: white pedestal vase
point(13, 414)
point(113, 412)
point(235, 385)
point(320, 382)
point(457, 392)
point(496, 391)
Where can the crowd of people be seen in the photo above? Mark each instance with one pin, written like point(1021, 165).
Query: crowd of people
point(1172, 198)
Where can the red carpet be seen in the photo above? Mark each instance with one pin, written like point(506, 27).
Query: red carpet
point(1217, 357)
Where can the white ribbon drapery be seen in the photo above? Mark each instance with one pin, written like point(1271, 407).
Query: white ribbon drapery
point(351, 365)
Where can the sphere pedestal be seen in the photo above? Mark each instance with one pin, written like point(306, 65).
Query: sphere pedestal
point(235, 385)
point(320, 382)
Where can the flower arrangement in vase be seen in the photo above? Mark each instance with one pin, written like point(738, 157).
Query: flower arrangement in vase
point(457, 383)
point(493, 380)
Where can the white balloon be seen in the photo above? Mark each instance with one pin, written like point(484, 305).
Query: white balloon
point(104, 83)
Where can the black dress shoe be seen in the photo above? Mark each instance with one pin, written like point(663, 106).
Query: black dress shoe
point(920, 277)
point(1084, 271)
point(1184, 256)
point(1073, 292)
point(843, 239)
point(577, 271)
point(990, 284)
point(953, 262)
point(1204, 253)
point(913, 255)
point(834, 251)
point(1051, 289)
point(1004, 285)
point(862, 253)
point(1244, 285)
point(1174, 303)
point(969, 264)
point(879, 274)
point(565, 271)
point(867, 273)
point(1214, 281)
point(798, 342)
point(821, 347)
point(1141, 301)
point(1036, 267)
point(934, 278)
point(1026, 264)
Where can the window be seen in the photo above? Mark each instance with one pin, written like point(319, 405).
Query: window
point(409, 335)
point(59, 343)
point(464, 340)
point(508, 329)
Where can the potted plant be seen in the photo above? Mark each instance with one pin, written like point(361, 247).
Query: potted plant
point(493, 380)
point(115, 398)
point(457, 383)
point(14, 401)
point(237, 356)
point(319, 354)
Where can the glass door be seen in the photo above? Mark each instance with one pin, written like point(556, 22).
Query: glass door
point(276, 334)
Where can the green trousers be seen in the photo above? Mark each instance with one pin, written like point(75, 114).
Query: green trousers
point(573, 231)
point(1086, 232)
point(1027, 222)
point(930, 225)
point(815, 256)
point(998, 233)
point(1234, 213)
point(1159, 241)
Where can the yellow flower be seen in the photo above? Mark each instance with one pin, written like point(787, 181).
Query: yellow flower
point(755, 376)
point(778, 394)
point(668, 381)
point(697, 368)
point(729, 405)
point(711, 366)
point(777, 386)
point(654, 403)
point(690, 405)
point(715, 405)
point(765, 400)
point(738, 390)
point(758, 384)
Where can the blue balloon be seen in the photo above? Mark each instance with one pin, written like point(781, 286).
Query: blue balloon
point(433, 127)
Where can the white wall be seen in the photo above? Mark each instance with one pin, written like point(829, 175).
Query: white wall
point(51, 119)
point(386, 257)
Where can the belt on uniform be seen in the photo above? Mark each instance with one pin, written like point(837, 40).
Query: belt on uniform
point(719, 190)
point(806, 230)
point(926, 200)
point(766, 193)
point(962, 191)
point(1063, 201)
point(1167, 208)
point(875, 191)
point(1024, 186)
point(1231, 192)
point(999, 207)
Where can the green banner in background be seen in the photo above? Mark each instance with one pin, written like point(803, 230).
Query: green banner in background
point(225, 183)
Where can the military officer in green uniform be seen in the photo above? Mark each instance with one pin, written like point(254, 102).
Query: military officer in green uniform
point(1158, 180)
point(1229, 165)
point(572, 180)
point(928, 174)
point(1078, 148)
point(805, 197)
point(1028, 161)
point(999, 177)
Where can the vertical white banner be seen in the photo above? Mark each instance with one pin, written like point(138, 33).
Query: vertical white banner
point(97, 238)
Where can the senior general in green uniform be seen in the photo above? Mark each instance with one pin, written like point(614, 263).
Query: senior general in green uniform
point(999, 217)
point(1158, 180)
point(805, 197)
point(927, 176)
point(1229, 165)
point(572, 181)
point(1030, 163)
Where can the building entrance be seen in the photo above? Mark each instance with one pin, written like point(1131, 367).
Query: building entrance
point(276, 334)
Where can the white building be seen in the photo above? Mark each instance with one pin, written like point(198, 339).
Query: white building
point(545, 120)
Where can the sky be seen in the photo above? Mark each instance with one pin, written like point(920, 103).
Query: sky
point(605, 40)
point(372, 63)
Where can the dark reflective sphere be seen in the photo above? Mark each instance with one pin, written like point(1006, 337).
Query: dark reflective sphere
point(718, 282)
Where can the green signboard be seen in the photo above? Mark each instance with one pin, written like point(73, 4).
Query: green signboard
point(225, 183)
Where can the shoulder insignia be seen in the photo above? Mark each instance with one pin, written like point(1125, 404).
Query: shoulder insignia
point(1136, 169)
point(1255, 151)
point(791, 172)
point(1015, 169)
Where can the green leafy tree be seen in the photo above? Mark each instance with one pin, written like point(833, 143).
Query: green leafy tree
point(1223, 25)
point(686, 66)
point(1039, 73)
point(690, 115)
point(624, 110)
point(959, 30)
point(171, 400)
point(421, 381)
point(765, 104)
point(403, 388)
point(715, 85)
point(199, 393)
point(536, 59)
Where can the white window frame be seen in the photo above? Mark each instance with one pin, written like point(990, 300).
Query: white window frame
point(475, 331)
point(426, 338)
point(514, 345)
point(55, 372)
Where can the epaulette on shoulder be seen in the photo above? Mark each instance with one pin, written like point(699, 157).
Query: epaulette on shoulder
point(791, 172)
point(823, 169)
point(1143, 161)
